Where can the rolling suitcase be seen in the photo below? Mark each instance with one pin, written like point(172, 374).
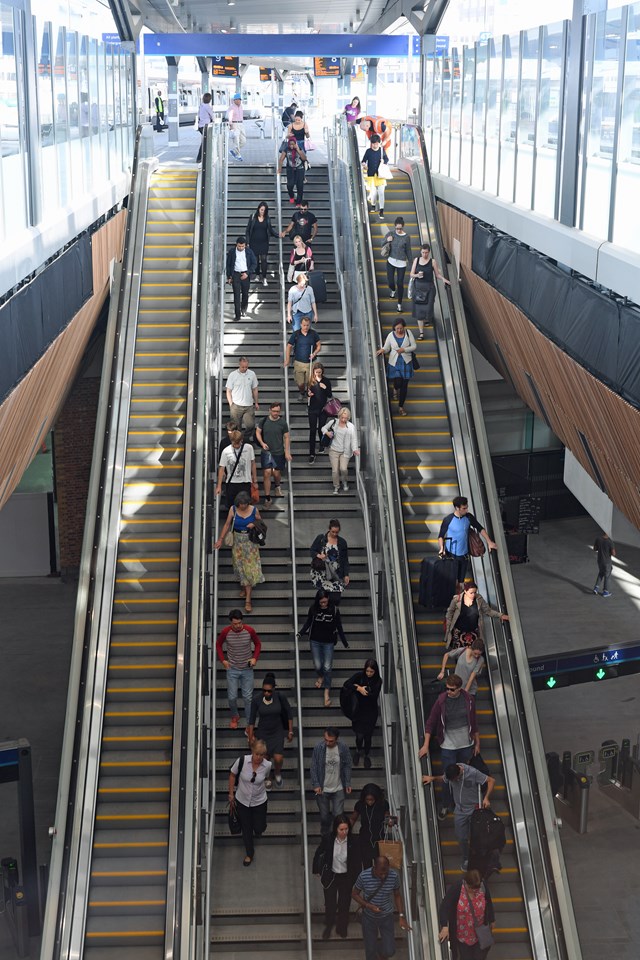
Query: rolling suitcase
point(437, 583)
point(318, 285)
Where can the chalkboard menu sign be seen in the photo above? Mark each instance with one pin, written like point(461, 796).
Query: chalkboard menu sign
point(225, 66)
point(266, 74)
point(326, 67)
point(529, 510)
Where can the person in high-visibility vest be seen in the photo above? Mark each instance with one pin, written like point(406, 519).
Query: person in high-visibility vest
point(371, 125)
point(159, 103)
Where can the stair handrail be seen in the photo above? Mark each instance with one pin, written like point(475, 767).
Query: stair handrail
point(306, 865)
point(553, 928)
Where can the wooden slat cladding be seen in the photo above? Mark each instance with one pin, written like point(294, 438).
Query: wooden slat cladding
point(29, 411)
point(575, 401)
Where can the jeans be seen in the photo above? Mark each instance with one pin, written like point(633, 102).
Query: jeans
point(297, 316)
point(337, 899)
point(322, 654)
point(240, 294)
point(462, 755)
point(253, 821)
point(395, 278)
point(372, 925)
point(240, 677)
point(461, 830)
point(329, 805)
point(295, 178)
point(604, 573)
point(317, 420)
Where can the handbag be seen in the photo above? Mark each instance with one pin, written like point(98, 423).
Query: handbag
point(235, 827)
point(317, 564)
point(391, 849)
point(385, 249)
point(415, 363)
point(476, 546)
point(258, 533)
point(384, 171)
point(332, 407)
point(228, 539)
point(255, 493)
point(483, 930)
point(290, 272)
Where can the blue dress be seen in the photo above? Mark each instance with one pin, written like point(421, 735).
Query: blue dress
point(402, 369)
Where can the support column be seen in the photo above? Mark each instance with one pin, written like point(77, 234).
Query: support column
point(372, 86)
point(172, 101)
point(204, 64)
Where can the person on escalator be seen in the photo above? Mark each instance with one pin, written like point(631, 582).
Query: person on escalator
point(454, 532)
point(373, 157)
point(398, 246)
point(424, 272)
point(465, 784)
point(401, 346)
point(465, 906)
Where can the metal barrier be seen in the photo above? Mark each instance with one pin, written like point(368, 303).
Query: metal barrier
point(619, 778)
point(13, 905)
point(570, 784)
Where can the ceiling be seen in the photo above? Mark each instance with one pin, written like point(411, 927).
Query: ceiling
point(258, 16)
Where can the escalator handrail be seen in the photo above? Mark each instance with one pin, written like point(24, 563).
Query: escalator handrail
point(559, 929)
point(306, 866)
point(399, 566)
point(89, 555)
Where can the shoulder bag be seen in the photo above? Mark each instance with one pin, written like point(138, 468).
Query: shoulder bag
point(235, 827)
point(332, 407)
point(476, 546)
point(385, 249)
point(327, 433)
point(228, 537)
point(483, 930)
point(384, 171)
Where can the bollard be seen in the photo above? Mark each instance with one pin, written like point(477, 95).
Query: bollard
point(146, 142)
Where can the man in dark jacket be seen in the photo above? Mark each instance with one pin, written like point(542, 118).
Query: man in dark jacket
point(452, 722)
point(241, 263)
point(454, 531)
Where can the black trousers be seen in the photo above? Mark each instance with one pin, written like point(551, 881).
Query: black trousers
point(254, 823)
point(240, 294)
point(317, 420)
point(261, 257)
point(363, 742)
point(395, 279)
point(295, 178)
point(401, 386)
point(233, 489)
point(337, 899)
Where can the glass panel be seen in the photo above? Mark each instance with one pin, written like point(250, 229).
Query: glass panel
point(46, 113)
point(12, 134)
point(602, 118)
point(113, 159)
point(445, 147)
point(479, 114)
point(493, 117)
point(427, 104)
point(466, 130)
point(73, 94)
point(552, 73)
point(508, 118)
point(437, 106)
point(625, 225)
point(456, 108)
point(527, 117)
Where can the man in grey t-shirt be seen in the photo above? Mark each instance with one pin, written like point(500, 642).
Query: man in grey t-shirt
point(465, 783)
point(330, 776)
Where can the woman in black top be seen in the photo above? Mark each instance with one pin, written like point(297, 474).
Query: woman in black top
point(364, 687)
point(269, 711)
point(318, 391)
point(372, 810)
point(330, 561)
point(424, 271)
point(324, 626)
point(337, 862)
point(259, 232)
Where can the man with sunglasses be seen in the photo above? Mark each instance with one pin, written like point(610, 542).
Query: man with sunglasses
point(453, 723)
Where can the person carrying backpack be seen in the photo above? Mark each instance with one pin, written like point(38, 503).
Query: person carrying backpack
point(464, 783)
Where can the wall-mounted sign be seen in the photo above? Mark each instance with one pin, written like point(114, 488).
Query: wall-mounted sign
point(326, 67)
point(266, 74)
point(225, 66)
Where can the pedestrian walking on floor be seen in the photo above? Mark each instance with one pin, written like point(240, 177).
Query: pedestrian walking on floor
point(344, 445)
point(242, 396)
point(237, 467)
point(288, 114)
point(205, 117)
point(465, 784)
point(245, 555)
point(304, 223)
point(401, 347)
point(374, 157)
point(605, 549)
point(260, 230)
point(469, 662)
point(465, 906)
point(248, 795)
point(272, 716)
point(159, 105)
point(424, 272)
point(293, 157)
point(464, 619)
point(372, 810)
point(301, 259)
point(319, 393)
point(324, 627)
point(377, 891)
point(305, 345)
point(238, 647)
point(330, 776)
point(235, 118)
point(397, 248)
point(453, 536)
point(353, 110)
point(241, 263)
point(301, 302)
point(361, 694)
point(337, 862)
point(273, 436)
point(330, 561)
point(452, 722)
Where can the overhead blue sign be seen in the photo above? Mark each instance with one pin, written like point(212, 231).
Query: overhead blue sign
point(596, 664)
point(276, 44)
point(442, 47)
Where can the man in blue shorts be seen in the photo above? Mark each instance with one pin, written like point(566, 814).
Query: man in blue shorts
point(273, 436)
point(454, 531)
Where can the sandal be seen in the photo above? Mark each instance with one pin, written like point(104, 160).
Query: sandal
point(248, 606)
point(327, 701)
point(318, 683)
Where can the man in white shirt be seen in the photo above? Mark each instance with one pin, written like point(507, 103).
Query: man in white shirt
point(242, 396)
point(235, 116)
point(237, 467)
point(241, 263)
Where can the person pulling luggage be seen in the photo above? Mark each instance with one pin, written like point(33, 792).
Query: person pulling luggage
point(465, 783)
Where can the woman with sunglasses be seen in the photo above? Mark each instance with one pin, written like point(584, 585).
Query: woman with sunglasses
point(248, 795)
point(270, 710)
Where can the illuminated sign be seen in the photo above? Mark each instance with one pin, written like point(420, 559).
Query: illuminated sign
point(225, 66)
point(266, 74)
point(326, 67)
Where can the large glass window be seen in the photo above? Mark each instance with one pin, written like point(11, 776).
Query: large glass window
point(466, 132)
point(493, 116)
point(508, 117)
point(480, 114)
point(456, 112)
point(549, 119)
point(625, 225)
point(13, 189)
point(445, 121)
point(527, 102)
point(436, 119)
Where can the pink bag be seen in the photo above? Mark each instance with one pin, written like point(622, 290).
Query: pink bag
point(309, 145)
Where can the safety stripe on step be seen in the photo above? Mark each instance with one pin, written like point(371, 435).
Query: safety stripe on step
point(140, 689)
point(123, 933)
point(132, 903)
point(136, 763)
point(134, 790)
point(117, 846)
point(131, 600)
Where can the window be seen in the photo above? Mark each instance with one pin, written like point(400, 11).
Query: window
point(548, 132)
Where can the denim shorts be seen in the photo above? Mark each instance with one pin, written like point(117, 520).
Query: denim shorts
point(272, 461)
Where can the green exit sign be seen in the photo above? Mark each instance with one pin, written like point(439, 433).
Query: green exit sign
point(551, 682)
point(600, 674)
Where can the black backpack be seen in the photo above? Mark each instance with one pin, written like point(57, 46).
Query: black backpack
point(486, 832)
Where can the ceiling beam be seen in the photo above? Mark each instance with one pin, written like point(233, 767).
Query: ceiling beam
point(424, 16)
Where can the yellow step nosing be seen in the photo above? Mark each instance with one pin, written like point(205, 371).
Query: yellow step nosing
point(133, 843)
point(134, 789)
point(126, 903)
point(95, 935)
point(141, 689)
point(135, 763)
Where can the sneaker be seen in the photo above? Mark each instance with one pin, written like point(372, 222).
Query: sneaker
point(234, 723)
point(267, 501)
point(381, 215)
point(336, 491)
point(233, 154)
point(420, 336)
point(345, 485)
point(464, 866)
point(442, 813)
point(265, 282)
point(399, 308)
point(606, 593)
point(291, 200)
point(278, 492)
point(367, 763)
point(278, 779)
point(596, 591)
point(312, 458)
point(392, 293)
point(238, 157)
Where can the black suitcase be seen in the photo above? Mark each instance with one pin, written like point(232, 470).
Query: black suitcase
point(318, 285)
point(438, 579)
point(486, 832)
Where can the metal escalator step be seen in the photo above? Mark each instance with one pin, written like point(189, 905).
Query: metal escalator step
point(127, 900)
point(129, 870)
point(131, 816)
point(155, 507)
point(121, 665)
point(144, 761)
point(125, 930)
point(143, 712)
point(138, 563)
point(114, 789)
point(111, 842)
point(121, 737)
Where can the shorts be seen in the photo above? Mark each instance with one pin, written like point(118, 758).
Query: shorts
point(272, 461)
